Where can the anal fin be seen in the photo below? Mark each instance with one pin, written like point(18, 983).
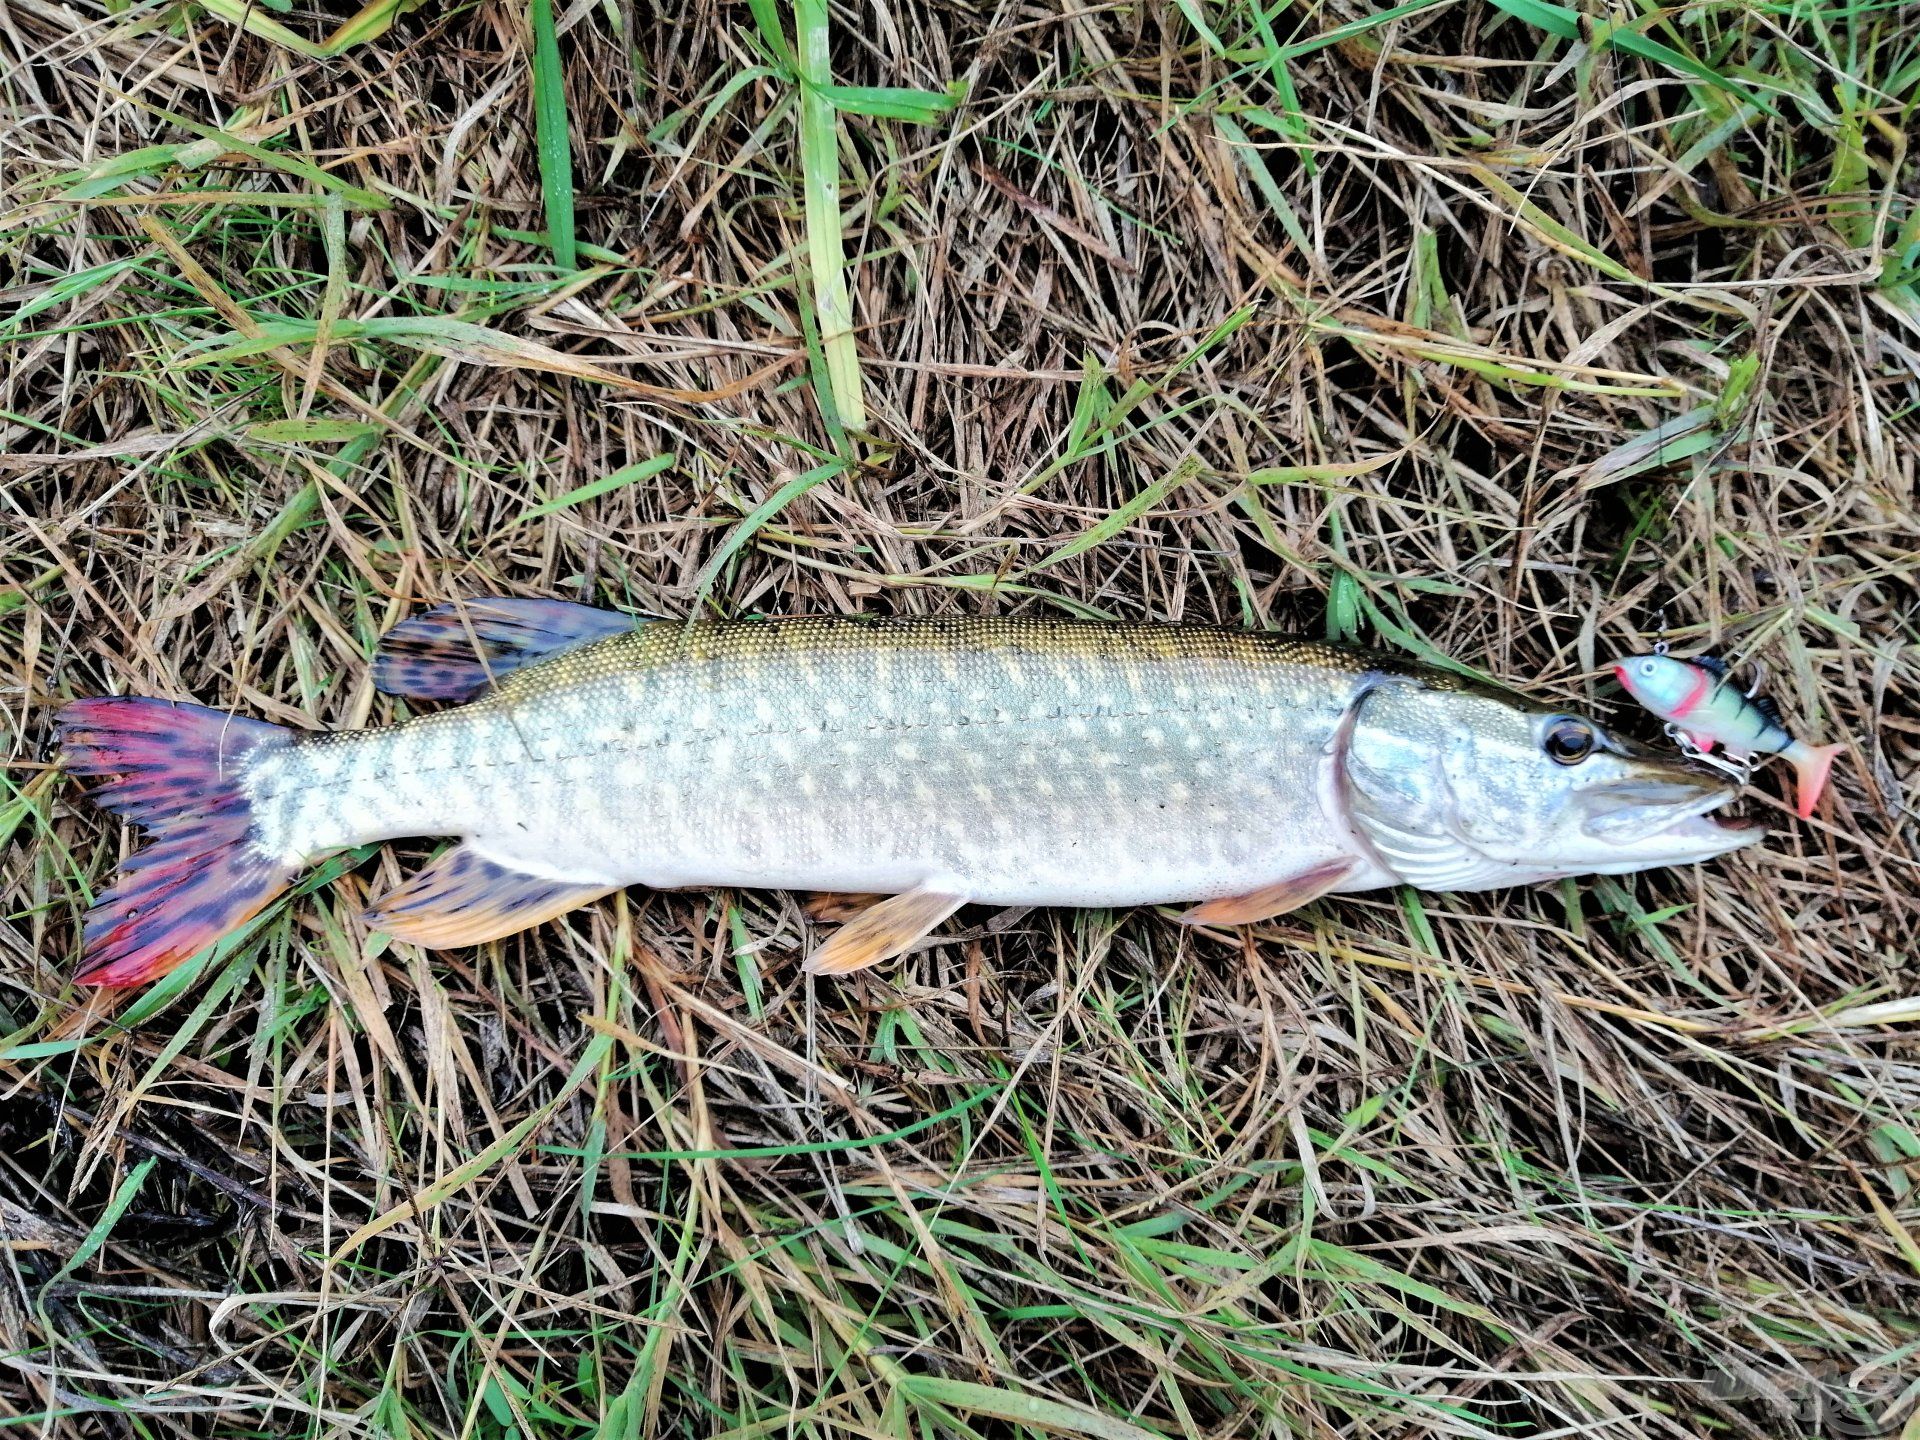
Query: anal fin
point(463, 898)
point(1271, 900)
point(884, 930)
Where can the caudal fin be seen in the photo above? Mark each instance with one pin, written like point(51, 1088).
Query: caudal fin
point(178, 772)
point(1811, 766)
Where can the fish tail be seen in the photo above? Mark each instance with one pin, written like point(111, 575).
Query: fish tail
point(179, 773)
point(1811, 766)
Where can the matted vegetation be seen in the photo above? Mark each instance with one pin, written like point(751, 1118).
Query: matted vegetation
point(1498, 331)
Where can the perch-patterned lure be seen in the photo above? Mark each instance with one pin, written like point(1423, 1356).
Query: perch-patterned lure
point(1697, 699)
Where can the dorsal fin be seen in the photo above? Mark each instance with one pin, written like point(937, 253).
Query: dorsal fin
point(456, 651)
point(1712, 664)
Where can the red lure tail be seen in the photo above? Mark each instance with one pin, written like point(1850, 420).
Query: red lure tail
point(1811, 767)
point(178, 772)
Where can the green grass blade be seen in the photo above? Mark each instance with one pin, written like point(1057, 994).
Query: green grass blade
point(1353, 29)
point(550, 134)
point(1033, 1411)
point(759, 516)
point(805, 1147)
point(826, 250)
point(449, 1184)
point(368, 23)
point(1112, 524)
point(1559, 21)
point(227, 140)
point(605, 485)
point(886, 102)
point(251, 20)
point(95, 1238)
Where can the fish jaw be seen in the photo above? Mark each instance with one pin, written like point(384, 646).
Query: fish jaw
point(1690, 840)
point(1656, 811)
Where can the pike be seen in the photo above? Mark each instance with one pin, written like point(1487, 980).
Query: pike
point(936, 762)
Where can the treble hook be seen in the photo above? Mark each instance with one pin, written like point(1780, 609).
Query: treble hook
point(1740, 769)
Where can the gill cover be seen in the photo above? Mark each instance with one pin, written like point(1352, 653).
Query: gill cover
point(1401, 762)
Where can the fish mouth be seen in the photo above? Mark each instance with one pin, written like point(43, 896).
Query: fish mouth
point(1664, 813)
point(1703, 836)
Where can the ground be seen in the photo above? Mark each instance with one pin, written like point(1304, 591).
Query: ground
point(1484, 329)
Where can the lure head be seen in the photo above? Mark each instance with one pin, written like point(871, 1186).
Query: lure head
point(1466, 788)
point(1666, 686)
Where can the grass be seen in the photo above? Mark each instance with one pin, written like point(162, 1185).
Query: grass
point(826, 249)
point(1498, 333)
point(550, 130)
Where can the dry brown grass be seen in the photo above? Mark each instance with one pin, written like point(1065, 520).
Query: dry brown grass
point(1615, 1158)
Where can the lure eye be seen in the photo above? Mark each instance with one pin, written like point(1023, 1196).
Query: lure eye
point(1568, 741)
point(1648, 669)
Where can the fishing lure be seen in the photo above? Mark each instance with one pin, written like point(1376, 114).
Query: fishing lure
point(1707, 709)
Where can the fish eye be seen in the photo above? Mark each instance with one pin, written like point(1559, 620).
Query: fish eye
point(1568, 741)
point(1648, 668)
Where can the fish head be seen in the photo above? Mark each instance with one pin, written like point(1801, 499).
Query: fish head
point(1462, 787)
point(1664, 685)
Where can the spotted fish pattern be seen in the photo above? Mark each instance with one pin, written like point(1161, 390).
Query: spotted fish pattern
point(1040, 761)
point(1009, 761)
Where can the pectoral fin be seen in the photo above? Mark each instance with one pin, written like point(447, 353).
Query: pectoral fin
point(463, 898)
point(884, 930)
point(1271, 900)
